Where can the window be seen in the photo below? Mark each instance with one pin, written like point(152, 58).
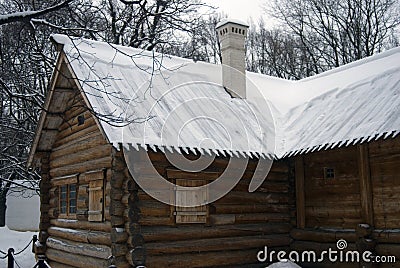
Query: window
point(67, 199)
point(329, 173)
point(81, 120)
point(190, 214)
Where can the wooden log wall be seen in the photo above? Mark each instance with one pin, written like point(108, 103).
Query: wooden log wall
point(366, 191)
point(238, 226)
point(118, 189)
point(384, 161)
point(78, 151)
point(332, 202)
point(45, 210)
point(384, 157)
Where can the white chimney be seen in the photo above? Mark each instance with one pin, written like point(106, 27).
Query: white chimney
point(232, 36)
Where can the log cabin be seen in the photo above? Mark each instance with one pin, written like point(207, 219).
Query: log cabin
point(116, 118)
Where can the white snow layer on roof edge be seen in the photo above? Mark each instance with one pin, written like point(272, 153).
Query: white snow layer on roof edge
point(175, 103)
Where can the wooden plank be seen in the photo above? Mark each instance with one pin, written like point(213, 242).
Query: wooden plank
point(323, 236)
point(182, 197)
point(82, 143)
point(320, 211)
point(365, 185)
point(84, 225)
point(203, 259)
point(188, 232)
point(217, 244)
point(79, 235)
point(76, 128)
point(71, 114)
point(46, 140)
point(387, 236)
point(300, 194)
point(204, 175)
point(92, 250)
point(93, 175)
point(69, 179)
point(95, 152)
point(83, 132)
point(250, 208)
point(82, 167)
point(96, 200)
point(75, 260)
point(382, 147)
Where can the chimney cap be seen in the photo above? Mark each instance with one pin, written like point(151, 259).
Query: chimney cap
point(234, 21)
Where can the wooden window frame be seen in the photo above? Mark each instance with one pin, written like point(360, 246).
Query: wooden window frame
point(67, 181)
point(329, 173)
point(68, 214)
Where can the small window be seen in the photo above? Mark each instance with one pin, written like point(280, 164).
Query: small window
point(329, 173)
point(190, 214)
point(81, 120)
point(67, 200)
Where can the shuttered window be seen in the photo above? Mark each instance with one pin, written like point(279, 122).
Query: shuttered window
point(190, 214)
point(96, 196)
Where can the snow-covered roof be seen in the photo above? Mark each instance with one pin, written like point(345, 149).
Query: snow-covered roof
point(178, 104)
point(231, 20)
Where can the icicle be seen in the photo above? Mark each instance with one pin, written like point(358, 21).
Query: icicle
point(222, 152)
point(169, 148)
point(153, 147)
point(184, 149)
point(215, 151)
point(194, 150)
point(371, 138)
point(144, 146)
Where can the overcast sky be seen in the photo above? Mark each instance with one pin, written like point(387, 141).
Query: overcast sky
point(241, 9)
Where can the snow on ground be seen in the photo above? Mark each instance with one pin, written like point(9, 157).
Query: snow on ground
point(284, 264)
point(17, 240)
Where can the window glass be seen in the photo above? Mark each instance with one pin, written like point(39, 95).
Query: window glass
point(63, 199)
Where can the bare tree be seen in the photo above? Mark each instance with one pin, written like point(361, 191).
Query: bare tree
point(148, 23)
point(27, 57)
point(277, 53)
point(338, 32)
point(200, 43)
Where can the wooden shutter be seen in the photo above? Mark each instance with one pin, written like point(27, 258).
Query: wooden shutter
point(96, 200)
point(190, 214)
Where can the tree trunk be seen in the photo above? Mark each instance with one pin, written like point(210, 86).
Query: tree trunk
point(3, 208)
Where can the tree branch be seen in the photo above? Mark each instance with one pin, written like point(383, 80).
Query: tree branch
point(28, 15)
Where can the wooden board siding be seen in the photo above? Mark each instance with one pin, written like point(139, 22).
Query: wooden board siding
point(373, 168)
point(332, 202)
point(238, 226)
point(78, 152)
point(385, 177)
